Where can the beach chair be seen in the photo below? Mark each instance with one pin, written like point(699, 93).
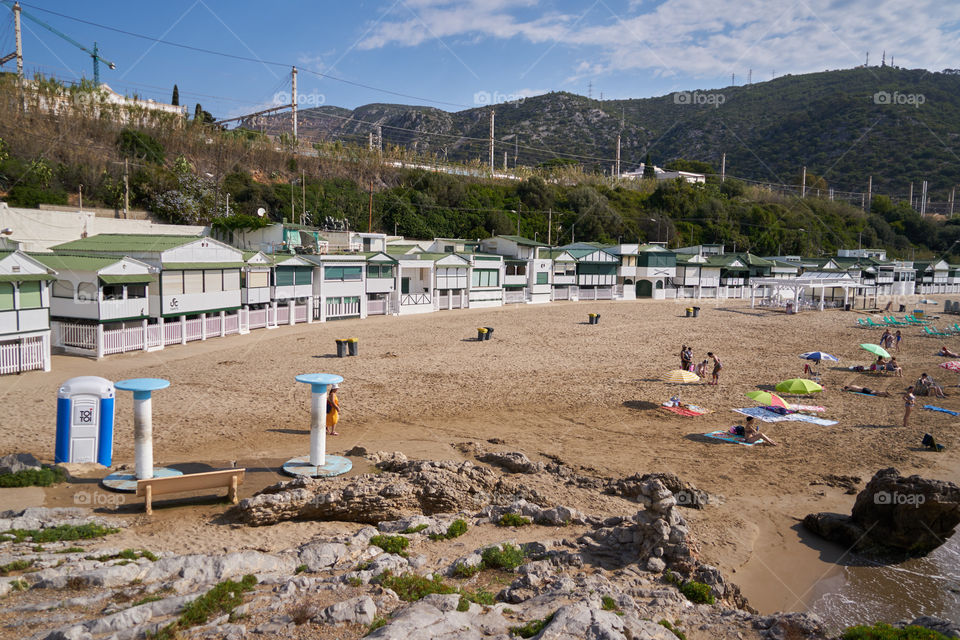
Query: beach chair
point(875, 325)
point(893, 322)
point(932, 331)
point(862, 322)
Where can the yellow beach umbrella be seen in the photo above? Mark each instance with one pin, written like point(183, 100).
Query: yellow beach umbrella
point(679, 376)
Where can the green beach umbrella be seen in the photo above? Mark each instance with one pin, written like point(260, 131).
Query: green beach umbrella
point(767, 398)
point(799, 386)
point(876, 350)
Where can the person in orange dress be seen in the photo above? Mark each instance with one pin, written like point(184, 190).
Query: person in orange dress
point(333, 411)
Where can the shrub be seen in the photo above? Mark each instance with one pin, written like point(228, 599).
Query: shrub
point(16, 565)
point(463, 570)
point(19, 585)
point(512, 520)
point(416, 529)
point(64, 532)
point(506, 557)
point(697, 592)
point(33, 477)
point(376, 624)
point(881, 631)
point(608, 603)
point(532, 628)
point(480, 596)
point(672, 629)
point(222, 598)
point(410, 587)
point(391, 544)
point(300, 568)
point(70, 550)
point(302, 612)
point(456, 529)
point(140, 146)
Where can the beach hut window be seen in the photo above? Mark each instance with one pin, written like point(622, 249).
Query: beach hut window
point(543, 278)
point(113, 292)
point(6, 296)
point(63, 289)
point(302, 275)
point(343, 273)
point(213, 280)
point(380, 271)
point(258, 279)
point(486, 278)
point(136, 291)
point(87, 292)
point(516, 270)
point(192, 282)
point(171, 283)
point(30, 295)
point(231, 280)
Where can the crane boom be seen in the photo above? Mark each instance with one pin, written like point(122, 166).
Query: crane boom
point(95, 54)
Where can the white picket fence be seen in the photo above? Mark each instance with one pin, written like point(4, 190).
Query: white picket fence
point(25, 354)
point(81, 336)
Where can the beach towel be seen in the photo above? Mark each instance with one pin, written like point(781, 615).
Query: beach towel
point(809, 407)
point(726, 436)
point(762, 414)
point(930, 407)
point(799, 417)
point(682, 411)
point(859, 393)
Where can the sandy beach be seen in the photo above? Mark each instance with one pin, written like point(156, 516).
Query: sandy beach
point(547, 384)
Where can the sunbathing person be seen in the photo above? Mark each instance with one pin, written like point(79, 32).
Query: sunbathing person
point(866, 390)
point(926, 386)
point(751, 434)
point(946, 352)
point(895, 367)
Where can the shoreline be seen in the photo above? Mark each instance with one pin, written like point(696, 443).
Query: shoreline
point(547, 386)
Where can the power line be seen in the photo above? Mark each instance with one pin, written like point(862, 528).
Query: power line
point(234, 56)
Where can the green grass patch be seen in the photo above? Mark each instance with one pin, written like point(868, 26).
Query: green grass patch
point(70, 550)
point(513, 520)
point(608, 604)
point(532, 628)
point(410, 587)
point(147, 599)
point(127, 555)
point(300, 568)
point(672, 629)
point(33, 478)
point(506, 557)
point(391, 544)
point(64, 532)
point(222, 598)
point(38, 548)
point(19, 585)
point(16, 565)
point(376, 624)
point(416, 529)
point(354, 581)
point(456, 529)
point(480, 596)
point(881, 631)
point(467, 571)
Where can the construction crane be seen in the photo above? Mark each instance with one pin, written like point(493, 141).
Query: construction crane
point(95, 54)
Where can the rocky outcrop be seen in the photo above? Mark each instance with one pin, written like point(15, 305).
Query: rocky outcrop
point(16, 462)
point(406, 487)
point(512, 461)
point(894, 517)
point(631, 488)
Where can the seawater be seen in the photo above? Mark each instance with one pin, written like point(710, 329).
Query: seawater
point(888, 593)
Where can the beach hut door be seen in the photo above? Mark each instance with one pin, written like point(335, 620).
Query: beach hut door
point(85, 427)
point(404, 285)
point(644, 289)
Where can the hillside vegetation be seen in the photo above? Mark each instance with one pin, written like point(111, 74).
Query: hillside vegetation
point(183, 171)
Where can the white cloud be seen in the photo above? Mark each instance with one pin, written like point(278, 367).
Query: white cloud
point(698, 38)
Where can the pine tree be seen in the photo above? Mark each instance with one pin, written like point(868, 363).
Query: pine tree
point(176, 96)
point(648, 171)
point(198, 113)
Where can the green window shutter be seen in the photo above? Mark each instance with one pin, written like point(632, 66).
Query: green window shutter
point(29, 295)
point(607, 269)
point(353, 273)
point(6, 296)
point(373, 271)
point(386, 271)
point(284, 276)
point(543, 278)
point(333, 273)
point(303, 275)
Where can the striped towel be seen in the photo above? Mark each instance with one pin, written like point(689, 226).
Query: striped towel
point(809, 407)
point(682, 411)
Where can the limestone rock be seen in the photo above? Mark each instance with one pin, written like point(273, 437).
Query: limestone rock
point(323, 555)
point(580, 622)
point(512, 461)
point(894, 517)
point(16, 462)
point(423, 619)
point(632, 488)
point(360, 610)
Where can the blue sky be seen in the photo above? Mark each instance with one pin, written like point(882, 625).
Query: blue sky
point(457, 54)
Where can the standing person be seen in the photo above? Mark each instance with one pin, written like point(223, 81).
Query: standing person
point(689, 353)
point(885, 337)
point(684, 361)
point(897, 338)
point(908, 401)
point(333, 411)
point(717, 365)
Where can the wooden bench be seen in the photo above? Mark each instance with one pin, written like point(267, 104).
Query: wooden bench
point(226, 478)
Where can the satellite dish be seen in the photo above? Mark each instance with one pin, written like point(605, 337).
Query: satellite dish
point(261, 212)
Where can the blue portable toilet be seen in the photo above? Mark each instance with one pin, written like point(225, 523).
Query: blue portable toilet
point(85, 407)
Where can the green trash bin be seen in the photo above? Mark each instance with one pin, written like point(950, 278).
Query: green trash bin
point(341, 348)
point(353, 345)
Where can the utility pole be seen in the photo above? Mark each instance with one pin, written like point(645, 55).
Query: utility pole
point(869, 191)
point(370, 214)
point(923, 200)
point(519, 209)
point(303, 194)
point(379, 139)
point(618, 155)
point(228, 204)
point(550, 226)
point(370, 141)
point(803, 184)
point(516, 146)
point(293, 103)
point(81, 197)
point(504, 160)
point(953, 193)
point(126, 187)
point(492, 114)
point(16, 28)
point(723, 167)
point(911, 195)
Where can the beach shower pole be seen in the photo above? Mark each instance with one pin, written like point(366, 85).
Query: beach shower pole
point(318, 425)
point(318, 463)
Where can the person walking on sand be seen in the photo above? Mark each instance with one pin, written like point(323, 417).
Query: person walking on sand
point(717, 366)
point(897, 338)
point(333, 411)
point(684, 360)
point(908, 401)
point(885, 338)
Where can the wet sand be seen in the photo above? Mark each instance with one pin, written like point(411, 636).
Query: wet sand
point(547, 384)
